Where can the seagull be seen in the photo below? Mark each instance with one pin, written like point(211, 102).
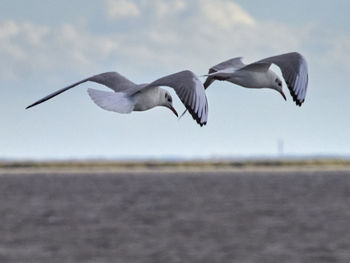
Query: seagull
point(128, 96)
point(258, 74)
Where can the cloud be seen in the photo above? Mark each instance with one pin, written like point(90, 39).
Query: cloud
point(199, 32)
point(16, 42)
point(119, 9)
point(202, 23)
point(26, 48)
point(193, 33)
point(226, 14)
point(8, 29)
point(163, 9)
point(156, 36)
point(338, 52)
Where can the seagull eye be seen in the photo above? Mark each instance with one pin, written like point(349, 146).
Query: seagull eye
point(280, 84)
point(169, 99)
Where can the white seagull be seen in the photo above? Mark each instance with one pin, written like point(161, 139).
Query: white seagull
point(128, 96)
point(258, 74)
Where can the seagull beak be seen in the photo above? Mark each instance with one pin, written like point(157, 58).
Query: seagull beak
point(284, 96)
point(173, 110)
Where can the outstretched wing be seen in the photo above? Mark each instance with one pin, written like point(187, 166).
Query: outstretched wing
point(294, 70)
point(191, 92)
point(112, 80)
point(232, 64)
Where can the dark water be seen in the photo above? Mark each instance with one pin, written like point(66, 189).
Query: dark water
point(250, 217)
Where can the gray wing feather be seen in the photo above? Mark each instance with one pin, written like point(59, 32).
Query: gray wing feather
point(233, 63)
point(191, 92)
point(257, 67)
point(295, 73)
point(112, 80)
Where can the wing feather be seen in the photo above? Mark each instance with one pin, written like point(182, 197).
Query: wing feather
point(112, 101)
point(112, 80)
point(295, 72)
point(191, 92)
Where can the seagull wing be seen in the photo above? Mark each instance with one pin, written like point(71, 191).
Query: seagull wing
point(229, 65)
point(294, 70)
point(234, 63)
point(112, 80)
point(191, 92)
point(112, 101)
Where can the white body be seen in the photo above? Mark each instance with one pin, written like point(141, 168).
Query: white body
point(253, 80)
point(148, 98)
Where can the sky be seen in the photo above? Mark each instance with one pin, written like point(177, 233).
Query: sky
point(46, 45)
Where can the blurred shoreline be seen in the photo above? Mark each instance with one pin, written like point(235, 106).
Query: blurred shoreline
point(152, 166)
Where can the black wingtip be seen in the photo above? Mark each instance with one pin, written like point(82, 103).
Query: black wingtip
point(195, 116)
point(31, 105)
point(294, 95)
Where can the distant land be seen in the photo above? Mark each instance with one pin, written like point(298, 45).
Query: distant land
point(202, 165)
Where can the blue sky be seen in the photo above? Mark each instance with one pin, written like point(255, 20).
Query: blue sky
point(46, 45)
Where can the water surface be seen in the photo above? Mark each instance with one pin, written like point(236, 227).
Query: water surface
point(206, 217)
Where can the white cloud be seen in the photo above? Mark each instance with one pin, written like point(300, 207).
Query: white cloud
point(167, 35)
point(195, 32)
point(226, 14)
point(338, 52)
point(81, 45)
point(34, 34)
point(8, 29)
point(119, 9)
point(26, 48)
point(165, 8)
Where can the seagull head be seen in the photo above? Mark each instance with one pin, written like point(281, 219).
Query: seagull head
point(167, 101)
point(277, 85)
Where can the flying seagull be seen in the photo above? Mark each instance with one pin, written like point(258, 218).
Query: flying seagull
point(128, 96)
point(258, 74)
